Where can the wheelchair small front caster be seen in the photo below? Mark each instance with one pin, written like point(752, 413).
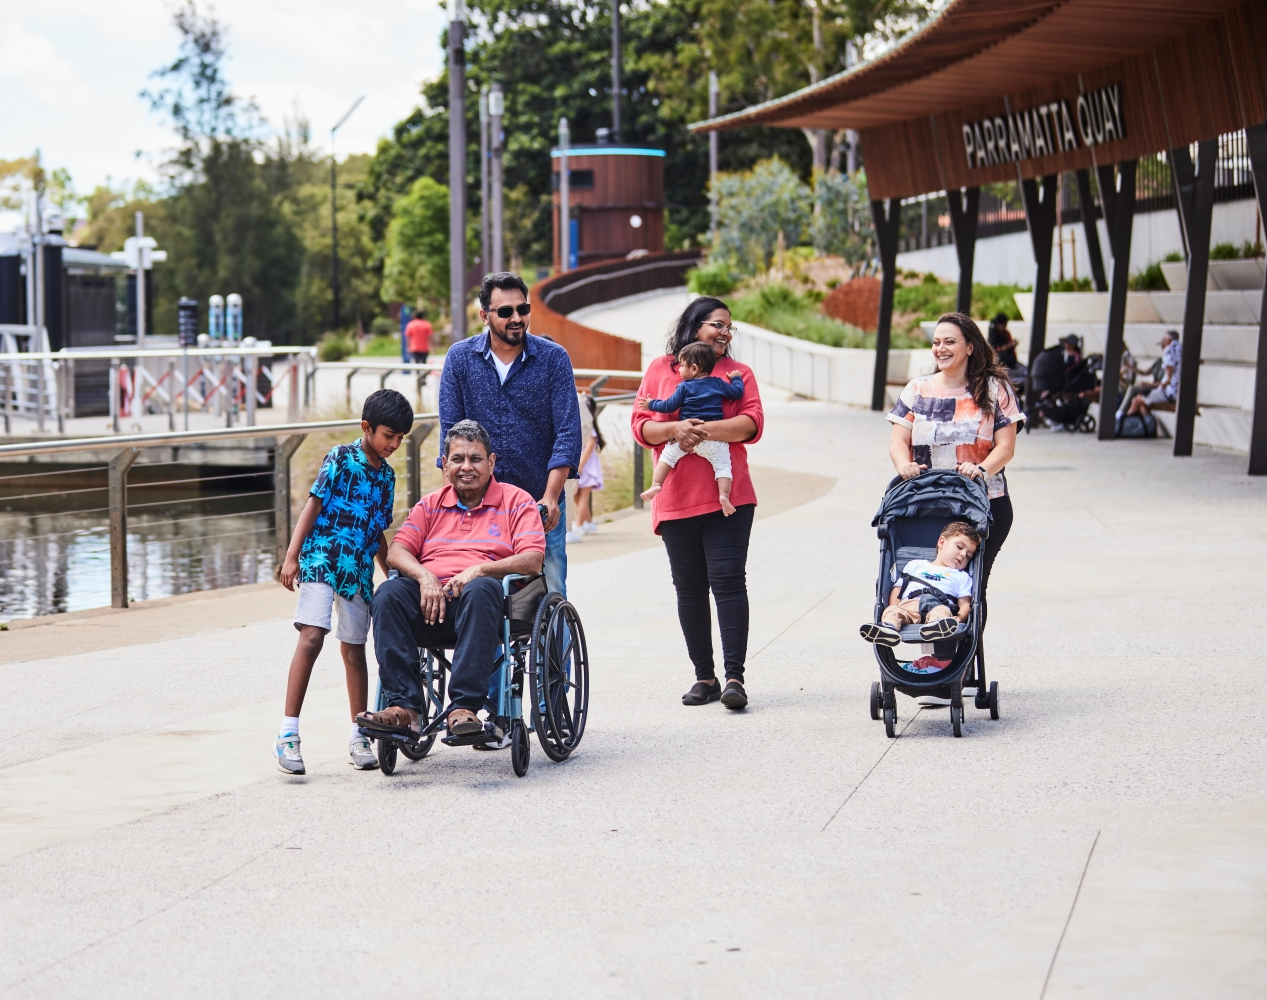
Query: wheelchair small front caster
point(386, 755)
point(520, 749)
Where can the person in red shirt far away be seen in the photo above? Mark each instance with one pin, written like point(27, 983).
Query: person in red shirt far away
point(708, 551)
point(418, 338)
point(452, 552)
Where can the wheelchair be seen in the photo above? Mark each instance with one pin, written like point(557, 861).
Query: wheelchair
point(543, 647)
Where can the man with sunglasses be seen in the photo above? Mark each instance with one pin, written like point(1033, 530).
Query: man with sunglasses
point(521, 389)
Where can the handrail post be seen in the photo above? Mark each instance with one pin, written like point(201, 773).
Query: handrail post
point(249, 364)
point(8, 398)
point(348, 390)
point(413, 461)
point(292, 394)
point(639, 456)
point(118, 493)
point(285, 450)
point(114, 394)
point(171, 395)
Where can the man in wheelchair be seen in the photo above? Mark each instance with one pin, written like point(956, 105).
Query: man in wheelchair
point(452, 552)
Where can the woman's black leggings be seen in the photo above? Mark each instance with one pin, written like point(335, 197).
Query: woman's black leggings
point(710, 552)
point(1001, 511)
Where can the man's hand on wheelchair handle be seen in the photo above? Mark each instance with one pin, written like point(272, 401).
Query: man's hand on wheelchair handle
point(551, 505)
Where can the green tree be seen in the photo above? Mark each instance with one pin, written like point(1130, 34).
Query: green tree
point(754, 208)
point(416, 266)
point(842, 219)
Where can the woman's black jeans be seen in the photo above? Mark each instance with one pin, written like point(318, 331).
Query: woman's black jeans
point(1001, 516)
point(710, 552)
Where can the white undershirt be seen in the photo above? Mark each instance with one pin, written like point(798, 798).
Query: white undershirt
point(502, 369)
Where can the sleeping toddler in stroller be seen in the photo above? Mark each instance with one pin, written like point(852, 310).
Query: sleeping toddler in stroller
point(936, 595)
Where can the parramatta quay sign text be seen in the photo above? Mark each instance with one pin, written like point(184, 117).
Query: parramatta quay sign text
point(1046, 129)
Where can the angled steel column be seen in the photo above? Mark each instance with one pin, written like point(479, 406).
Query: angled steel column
point(963, 225)
point(1196, 209)
point(117, 479)
point(1087, 205)
point(888, 219)
point(1256, 136)
point(1119, 210)
point(1040, 216)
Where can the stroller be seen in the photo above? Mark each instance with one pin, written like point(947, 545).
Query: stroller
point(1058, 391)
point(909, 522)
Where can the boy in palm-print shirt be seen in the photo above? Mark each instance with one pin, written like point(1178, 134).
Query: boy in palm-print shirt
point(332, 553)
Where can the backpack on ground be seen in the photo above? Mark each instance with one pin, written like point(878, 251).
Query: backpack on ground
point(1137, 425)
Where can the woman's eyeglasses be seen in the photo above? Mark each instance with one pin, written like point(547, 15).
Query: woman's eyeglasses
point(719, 326)
point(505, 312)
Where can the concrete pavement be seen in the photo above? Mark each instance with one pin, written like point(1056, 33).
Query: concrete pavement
point(789, 850)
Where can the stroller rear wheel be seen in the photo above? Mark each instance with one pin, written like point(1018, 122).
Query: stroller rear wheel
point(1087, 424)
point(890, 722)
point(994, 699)
point(877, 700)
point(956, 719)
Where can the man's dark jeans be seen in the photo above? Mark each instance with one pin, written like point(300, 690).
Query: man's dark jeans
point(471, 626)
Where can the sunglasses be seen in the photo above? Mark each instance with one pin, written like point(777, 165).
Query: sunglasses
point(505, 312)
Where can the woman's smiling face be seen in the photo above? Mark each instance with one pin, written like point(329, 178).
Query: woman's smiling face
point(950, 349)
point(715, 330)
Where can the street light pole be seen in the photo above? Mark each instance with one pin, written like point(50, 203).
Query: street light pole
point(457, 169)
point(496, 108)
point(615, 70)
point(484, 170)
point(565, 220)
point(713, 90)
point(334, 213)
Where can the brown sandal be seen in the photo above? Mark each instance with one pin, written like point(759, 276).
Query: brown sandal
point(393, 717)
point(463, 722)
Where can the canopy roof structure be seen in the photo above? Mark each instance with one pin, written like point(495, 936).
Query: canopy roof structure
point(963, 100)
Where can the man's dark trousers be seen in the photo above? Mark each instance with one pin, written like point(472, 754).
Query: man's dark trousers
point(471, 626)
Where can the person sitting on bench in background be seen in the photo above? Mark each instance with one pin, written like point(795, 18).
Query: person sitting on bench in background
point(452, 552)
point(1144, 395)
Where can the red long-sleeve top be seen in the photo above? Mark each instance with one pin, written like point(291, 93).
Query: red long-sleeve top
point(691, 489)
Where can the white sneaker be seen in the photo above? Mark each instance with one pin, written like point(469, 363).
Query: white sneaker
point(289, 760)
point(574, 536)
point(589, 527)
point(360, 754)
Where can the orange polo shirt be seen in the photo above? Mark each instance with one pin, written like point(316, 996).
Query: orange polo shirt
point(447, 539)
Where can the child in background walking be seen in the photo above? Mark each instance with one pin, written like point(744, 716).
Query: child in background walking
point(591, 475)
point(331, 556)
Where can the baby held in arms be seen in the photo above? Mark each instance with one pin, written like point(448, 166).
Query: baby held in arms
point(936, 595)
point(698, 397)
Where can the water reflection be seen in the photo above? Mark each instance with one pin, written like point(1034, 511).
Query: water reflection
point(59, 560)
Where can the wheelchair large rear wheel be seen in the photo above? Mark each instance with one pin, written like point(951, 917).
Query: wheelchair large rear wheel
point(433, 696)
point(559, 666)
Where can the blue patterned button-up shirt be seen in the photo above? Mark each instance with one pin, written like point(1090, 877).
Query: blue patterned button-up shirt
point(356, 507)
point(532, 418)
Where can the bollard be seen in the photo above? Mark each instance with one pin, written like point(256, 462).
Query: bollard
point(639, 455)
point(413, 461)
point(282, 455)
point(171, 395)
point(250, 366)
point(114, 394)
point(8, 399)
point(292, 396)
point(118, 493)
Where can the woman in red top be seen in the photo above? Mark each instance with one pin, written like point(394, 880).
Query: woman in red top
point(707, 550)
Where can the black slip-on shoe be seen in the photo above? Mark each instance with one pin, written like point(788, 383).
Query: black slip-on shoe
point(734, 697)
point(702, 693)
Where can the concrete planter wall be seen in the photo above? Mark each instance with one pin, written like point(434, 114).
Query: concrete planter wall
point(1221, 307)
point(833, 374)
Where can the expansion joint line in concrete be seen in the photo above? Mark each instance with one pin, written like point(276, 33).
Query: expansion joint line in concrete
point(892, 744)
point(148, 916)
point(1064, 930)
point(793, 622)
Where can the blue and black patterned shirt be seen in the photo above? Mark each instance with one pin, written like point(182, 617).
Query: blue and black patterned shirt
point(356, 507)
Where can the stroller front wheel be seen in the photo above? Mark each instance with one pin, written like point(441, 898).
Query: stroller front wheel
point(890, 723)
point(877, 700)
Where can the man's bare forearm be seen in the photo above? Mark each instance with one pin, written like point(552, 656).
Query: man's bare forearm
point(555, 482)
point(406, 563)
point(522, 564)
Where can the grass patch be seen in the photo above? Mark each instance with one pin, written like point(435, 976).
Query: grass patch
point(779, 308)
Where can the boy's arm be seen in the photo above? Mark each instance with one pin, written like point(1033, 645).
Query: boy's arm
point(965, 608)
point(381, 555)
point(290, 565)
point(735, 388)
point(894, 595)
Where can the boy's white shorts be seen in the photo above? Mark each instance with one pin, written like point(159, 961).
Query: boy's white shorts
point(317, 602)
point(716, 453)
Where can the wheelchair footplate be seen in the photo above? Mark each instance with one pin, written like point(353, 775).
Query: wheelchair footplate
point(393, 734)
point(492, 737)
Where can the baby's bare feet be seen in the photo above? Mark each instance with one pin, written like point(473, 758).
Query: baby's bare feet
point(648, 494)
point(727, 507)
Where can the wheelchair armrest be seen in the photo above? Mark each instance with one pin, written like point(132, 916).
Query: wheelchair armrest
point(510, 578)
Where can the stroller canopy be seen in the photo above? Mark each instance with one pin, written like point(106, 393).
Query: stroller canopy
point(936, 493)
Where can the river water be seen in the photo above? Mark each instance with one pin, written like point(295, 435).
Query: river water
point(55, 544)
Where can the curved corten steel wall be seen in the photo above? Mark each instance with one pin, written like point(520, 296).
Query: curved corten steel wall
point(553, 298)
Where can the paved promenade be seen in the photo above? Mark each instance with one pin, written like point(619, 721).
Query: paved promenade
point(148, 848)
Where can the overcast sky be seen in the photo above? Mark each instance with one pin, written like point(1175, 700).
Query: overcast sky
point(70, 72)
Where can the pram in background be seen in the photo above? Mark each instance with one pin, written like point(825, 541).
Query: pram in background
point(909, 522)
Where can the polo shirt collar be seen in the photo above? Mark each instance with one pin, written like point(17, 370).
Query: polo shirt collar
point(492, 495)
